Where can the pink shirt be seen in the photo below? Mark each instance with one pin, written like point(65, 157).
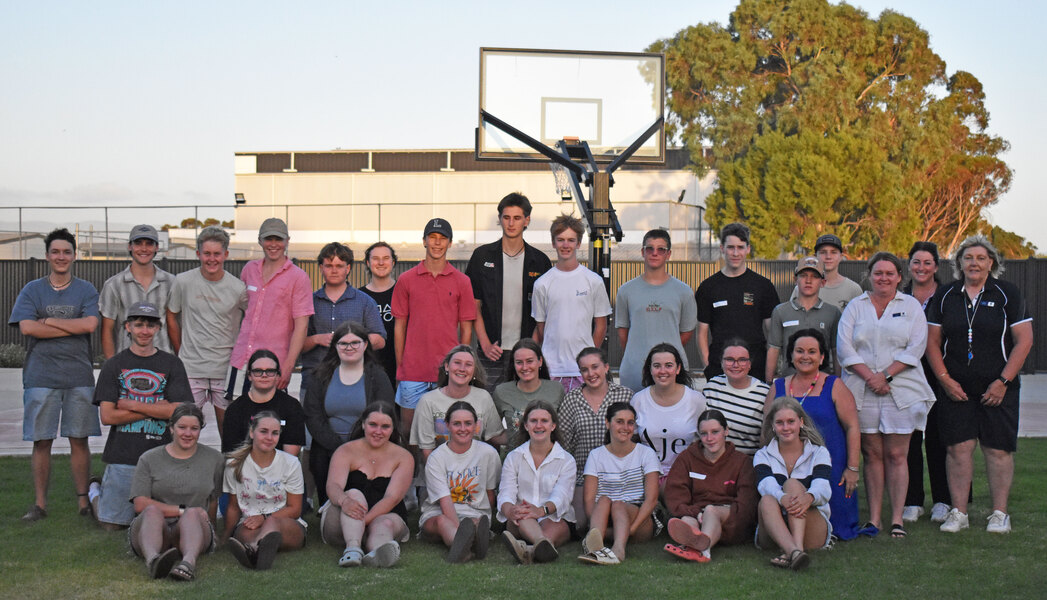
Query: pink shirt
point(271, 310)
point(433, 307)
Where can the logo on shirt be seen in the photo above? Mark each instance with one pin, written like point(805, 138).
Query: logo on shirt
point(463, 485)
point(748, 298)
point(581, 293)
point(654, 307)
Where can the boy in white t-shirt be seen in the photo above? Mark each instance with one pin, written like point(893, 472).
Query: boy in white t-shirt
point(569, 304)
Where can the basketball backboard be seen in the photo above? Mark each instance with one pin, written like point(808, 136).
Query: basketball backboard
point(603, 98)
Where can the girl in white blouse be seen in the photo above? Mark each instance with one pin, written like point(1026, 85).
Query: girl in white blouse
point(537, 486)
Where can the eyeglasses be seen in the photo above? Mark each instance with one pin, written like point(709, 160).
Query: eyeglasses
point(656, 250)
point(737, 361)
point(355, 344)
point(265, 372)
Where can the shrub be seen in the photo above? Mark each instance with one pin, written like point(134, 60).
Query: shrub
point(12, 356)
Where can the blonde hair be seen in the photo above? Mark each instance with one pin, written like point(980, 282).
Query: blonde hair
point(807, 431)
point(239, 455)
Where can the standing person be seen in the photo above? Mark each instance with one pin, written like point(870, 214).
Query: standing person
point(141, 281)
point(804, 311)
point(883, 334)
point(792, 476)
point(570, 305)
point(621, 490)
point(653, 308)
point(461, 477)
point(346, 382)
point(735, 302)
point(380, 259)
point(333, 304)
point(534, 496)
point(263, 370)
point(838, 290)
point(527, 380)
point(830, 405)
point(434, 309)
point(136, 393)
point(265, 487)
point(57, 313)
point(583, 414)
point(203, 319)
point(979, 335)
point(667, 408)
point(279, 306)
point(739, 396)
point(923, 283)
point(503, 275)
point(711, 491)
point(174, 491)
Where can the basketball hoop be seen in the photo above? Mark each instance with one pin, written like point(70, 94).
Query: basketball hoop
point(563, 181)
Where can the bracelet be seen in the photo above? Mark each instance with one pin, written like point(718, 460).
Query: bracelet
point(850, 468)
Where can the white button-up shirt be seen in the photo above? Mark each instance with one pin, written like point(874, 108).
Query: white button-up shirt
point(552, 481)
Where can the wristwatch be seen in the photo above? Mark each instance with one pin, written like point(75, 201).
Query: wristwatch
point(1006, 382)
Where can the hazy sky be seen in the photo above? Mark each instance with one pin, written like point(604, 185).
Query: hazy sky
point(146, 102)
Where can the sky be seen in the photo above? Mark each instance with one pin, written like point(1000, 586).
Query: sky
point(144, 103)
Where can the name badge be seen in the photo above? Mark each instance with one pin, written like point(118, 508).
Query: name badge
point(489, 265)
point(901, 314)
point(720, 304)
point(252, 288)
point(791, 324)
point(697, 475)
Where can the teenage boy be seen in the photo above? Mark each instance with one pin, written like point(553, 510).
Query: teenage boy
point(735, 302)
point(58, 313)
point(279, 305)
point(503, 275)
point(335, 303)
point(136, 393)
point(837, 290)
point(434, 309)
point(203, 318)
point(141, 281)
point(805, 311)
point(653, 308)
point(570, 306)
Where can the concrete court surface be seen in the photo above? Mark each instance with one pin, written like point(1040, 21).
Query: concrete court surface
point(1032, 423)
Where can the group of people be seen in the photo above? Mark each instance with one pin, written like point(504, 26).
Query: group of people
point(526, 428)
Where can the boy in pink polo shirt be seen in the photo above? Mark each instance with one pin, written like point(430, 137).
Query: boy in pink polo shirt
point(280, 302)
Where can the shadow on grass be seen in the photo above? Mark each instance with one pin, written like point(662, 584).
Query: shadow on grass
point(68, 556)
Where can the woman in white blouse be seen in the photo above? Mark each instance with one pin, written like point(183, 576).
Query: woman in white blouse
point(882, 336)
point(537, 486)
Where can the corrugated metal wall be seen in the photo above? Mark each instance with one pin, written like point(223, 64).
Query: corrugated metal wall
point(1029, 275)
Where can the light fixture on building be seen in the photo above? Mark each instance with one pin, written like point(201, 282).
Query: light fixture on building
point(239, 199)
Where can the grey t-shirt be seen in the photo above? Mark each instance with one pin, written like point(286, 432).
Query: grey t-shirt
point(511, 401)
point(653, 314)
point(192, 481)
point(512, 299)
point(59, 363)
point(210, 317)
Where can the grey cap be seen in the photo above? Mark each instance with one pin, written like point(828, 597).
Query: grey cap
point(143, 309)
point(810, 263)
point(273, 227)
point(440, 226)
point(144, 232)
point(828, 240)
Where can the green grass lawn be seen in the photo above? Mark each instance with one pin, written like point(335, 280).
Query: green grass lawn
point(68, 556)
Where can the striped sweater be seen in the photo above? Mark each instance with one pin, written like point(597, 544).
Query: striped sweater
point(812, 469)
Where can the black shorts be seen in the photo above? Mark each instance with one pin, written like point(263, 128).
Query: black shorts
point(993, 426)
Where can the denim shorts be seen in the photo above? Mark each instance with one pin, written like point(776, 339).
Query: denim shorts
point(408, 393)
point(44, 408)
point(114, 505)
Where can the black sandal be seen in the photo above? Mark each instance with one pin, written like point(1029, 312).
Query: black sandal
point(898, 532)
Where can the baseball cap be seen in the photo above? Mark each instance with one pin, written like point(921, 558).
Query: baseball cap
point(812, 263)
point(273, 227)
point(144, 232)
point(440, 226)
point(828, 240)
point(143, 309)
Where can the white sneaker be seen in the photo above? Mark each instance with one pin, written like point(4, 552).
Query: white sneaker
point(939, 512)
point(911, 513)
point(955, 521)
point(999, 522)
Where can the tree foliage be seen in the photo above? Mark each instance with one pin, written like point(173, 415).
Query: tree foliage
point(822, 119)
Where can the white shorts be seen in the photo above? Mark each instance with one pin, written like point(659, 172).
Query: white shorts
point(882, 415)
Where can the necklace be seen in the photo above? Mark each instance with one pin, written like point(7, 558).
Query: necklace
point(809, 390)
point(970, 314)
point(58, 287)
point(514, 255)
